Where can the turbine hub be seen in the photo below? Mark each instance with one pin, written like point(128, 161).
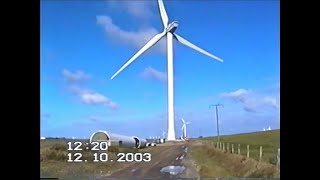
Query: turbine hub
point(172, 26)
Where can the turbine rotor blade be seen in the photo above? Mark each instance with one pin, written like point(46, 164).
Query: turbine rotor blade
point(183, 121)
point(148, 45)
point(188, 122)
point(189, 44)
point(163, 13)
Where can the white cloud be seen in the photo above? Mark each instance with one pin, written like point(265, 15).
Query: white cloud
point(75, 76)
point(93, 98)
point(271, 101)
point(135, 39)
point(238, 95)
point(138, 38)
point(250, 107)
point(151, 73)
point(252, 101)
point(86, 96)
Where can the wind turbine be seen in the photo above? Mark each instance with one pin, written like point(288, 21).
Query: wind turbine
point(163, 134)
point(168, 30)
point(184, 127)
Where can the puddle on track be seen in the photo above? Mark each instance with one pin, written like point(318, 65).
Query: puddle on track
point(186, 149)
point(173, 170)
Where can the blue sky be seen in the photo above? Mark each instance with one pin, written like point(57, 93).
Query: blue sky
point(83, 43)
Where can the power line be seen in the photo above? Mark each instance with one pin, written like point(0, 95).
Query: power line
point(217, 117)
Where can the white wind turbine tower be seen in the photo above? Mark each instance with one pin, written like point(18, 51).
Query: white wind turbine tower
point(184, 127)
point(168, 30)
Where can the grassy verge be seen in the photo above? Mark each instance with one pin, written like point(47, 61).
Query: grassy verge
point(214, 163)
point(269, 140)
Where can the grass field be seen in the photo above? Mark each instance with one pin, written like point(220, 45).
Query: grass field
point(53, 161)
point(269, 140)
point(214, 163)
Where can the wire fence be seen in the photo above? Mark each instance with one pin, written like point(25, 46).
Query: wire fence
point(260, 153)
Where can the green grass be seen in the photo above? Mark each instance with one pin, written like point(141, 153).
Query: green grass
point(53, 161)
point(269, 140)
point(214, 163)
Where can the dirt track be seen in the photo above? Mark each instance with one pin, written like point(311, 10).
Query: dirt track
point(162, 156)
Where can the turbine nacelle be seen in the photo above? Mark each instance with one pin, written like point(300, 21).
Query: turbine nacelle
point(172, 27)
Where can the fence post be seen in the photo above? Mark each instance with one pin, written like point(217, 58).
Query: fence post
point(222, 146)
point(217, 144)
point(227, 147)
point(238, 148)
point(278, 159)
point(260, 157)
point(248, 151)
point(232, 149)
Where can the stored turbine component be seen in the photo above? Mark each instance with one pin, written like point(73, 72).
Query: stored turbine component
point(169, 30)
point(99, 136)
point(162, 140)
point(118, 140)
point(152, 140)
point(140, 143)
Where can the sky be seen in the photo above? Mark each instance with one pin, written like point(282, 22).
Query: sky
point(83, 43)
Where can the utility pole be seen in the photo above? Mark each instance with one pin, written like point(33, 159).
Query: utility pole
point(216, 105)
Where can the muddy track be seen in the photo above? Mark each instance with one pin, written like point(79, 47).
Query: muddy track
point(162, 156)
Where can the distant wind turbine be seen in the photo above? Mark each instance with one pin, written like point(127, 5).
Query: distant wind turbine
point(269, 128)
point(184, 127)
point(168, 30)
point(163, 134)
